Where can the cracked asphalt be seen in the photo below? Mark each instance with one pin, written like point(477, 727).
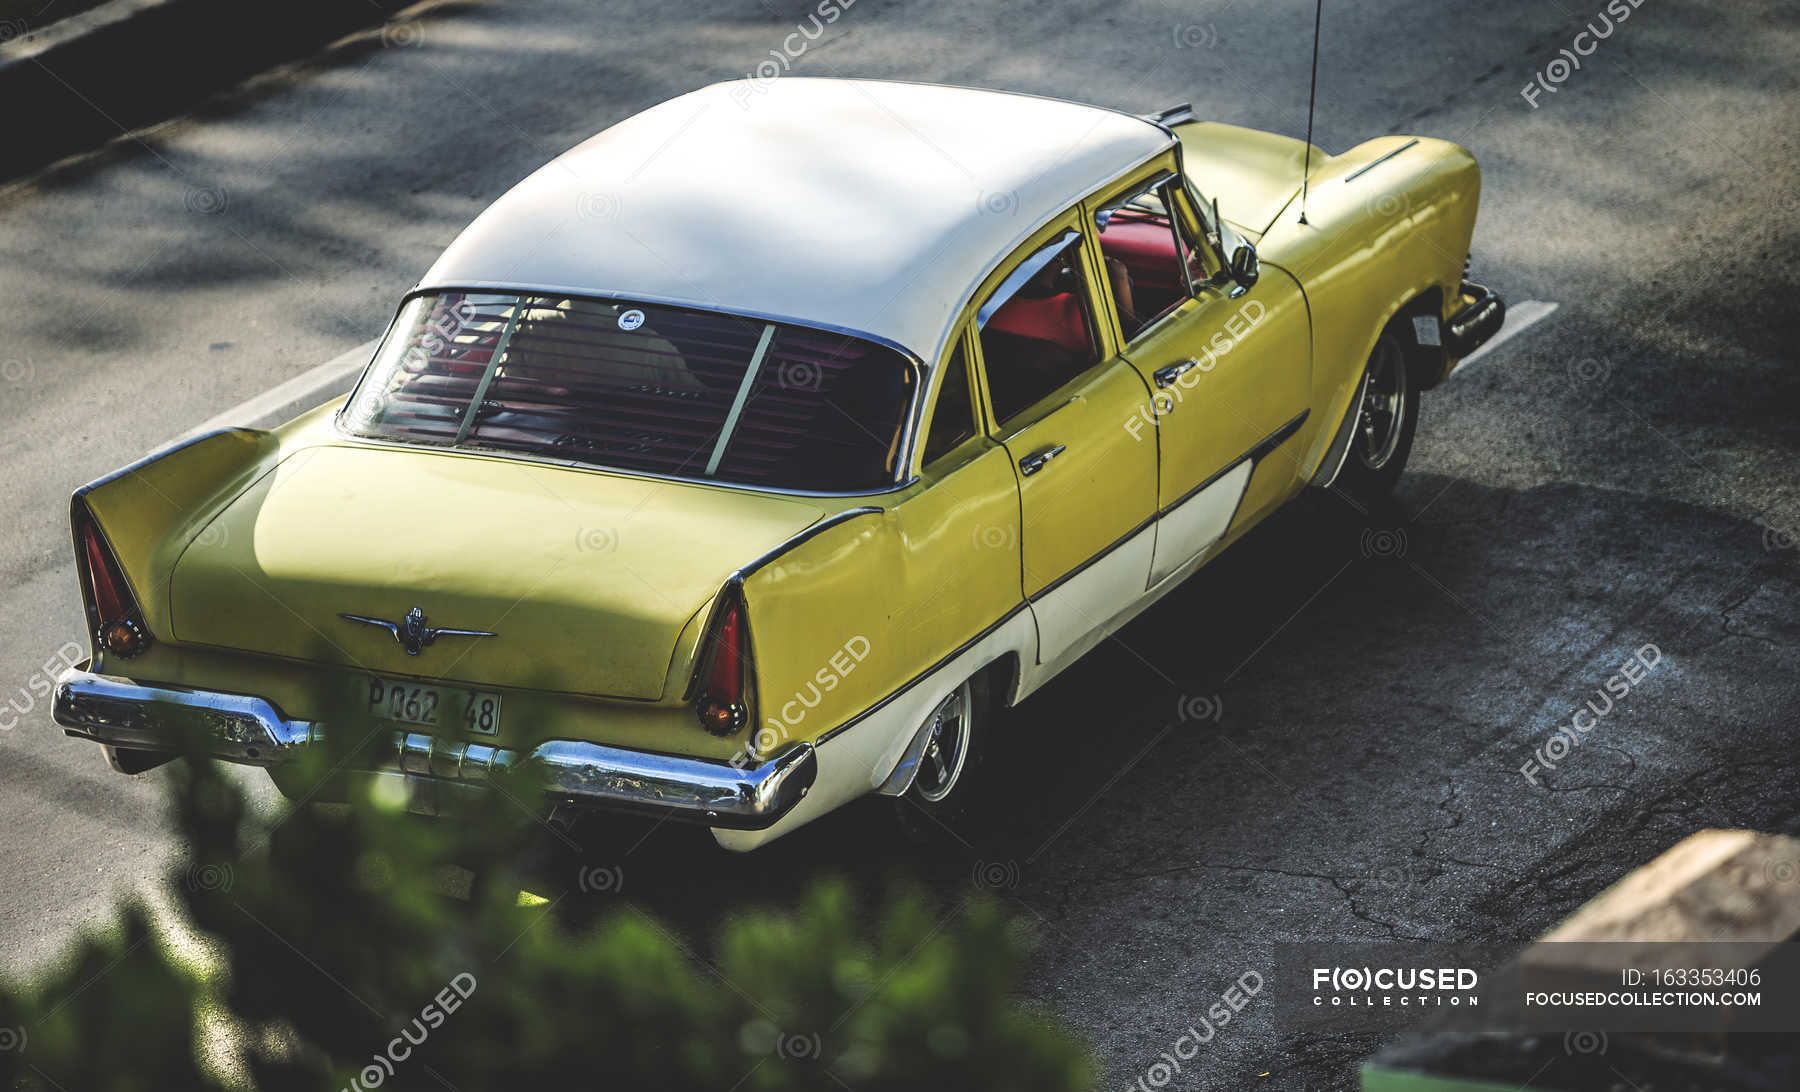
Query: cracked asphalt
point(1321, 735)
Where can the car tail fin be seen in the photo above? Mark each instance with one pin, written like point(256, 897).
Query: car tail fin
point(115, 618)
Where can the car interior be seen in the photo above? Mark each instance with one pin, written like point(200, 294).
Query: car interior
point(1039, 337)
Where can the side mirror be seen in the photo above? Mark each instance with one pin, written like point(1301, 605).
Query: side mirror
point(1244, 267)
point(1238, 256)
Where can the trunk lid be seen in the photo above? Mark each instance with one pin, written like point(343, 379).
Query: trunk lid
point(586, 578)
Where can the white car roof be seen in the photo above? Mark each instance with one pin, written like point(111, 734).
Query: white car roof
point(864, 206)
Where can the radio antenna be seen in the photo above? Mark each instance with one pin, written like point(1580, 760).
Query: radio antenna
point(1312, 95)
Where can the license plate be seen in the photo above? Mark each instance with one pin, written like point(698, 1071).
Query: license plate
point(475, 711)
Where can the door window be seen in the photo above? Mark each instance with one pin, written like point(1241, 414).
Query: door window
point(1152, 264)
point(1035, 328)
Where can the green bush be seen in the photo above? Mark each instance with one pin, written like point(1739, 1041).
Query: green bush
point(341, 963)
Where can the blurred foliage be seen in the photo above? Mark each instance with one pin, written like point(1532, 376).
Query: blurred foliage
point(338, 961)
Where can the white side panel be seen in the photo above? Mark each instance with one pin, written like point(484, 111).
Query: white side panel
point(1081, 612)
point(1199, 521)
point(857, 760)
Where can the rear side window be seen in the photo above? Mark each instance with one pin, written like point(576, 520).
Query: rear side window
point(638, 387)
point(953, 421)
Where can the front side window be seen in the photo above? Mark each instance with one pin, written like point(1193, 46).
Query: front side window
point(1035, 333)
point(1151, 262)
point(639, 387)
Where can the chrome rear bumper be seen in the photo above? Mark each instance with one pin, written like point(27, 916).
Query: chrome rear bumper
point(247, 729)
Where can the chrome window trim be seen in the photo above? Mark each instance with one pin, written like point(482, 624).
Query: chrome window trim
point(1104, 212)
point(903, 478)
point(1030, 267)
point(1157, 181)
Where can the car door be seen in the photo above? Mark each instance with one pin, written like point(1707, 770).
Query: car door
point(1230, 369)
point(1057, 398)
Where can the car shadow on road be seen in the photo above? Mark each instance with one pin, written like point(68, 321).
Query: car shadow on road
point(1341, 700)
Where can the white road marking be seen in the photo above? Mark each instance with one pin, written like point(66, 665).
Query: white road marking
point(298, 394)
point(1524, 316)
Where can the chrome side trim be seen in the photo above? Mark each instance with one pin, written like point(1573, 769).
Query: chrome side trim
point(805, 535)
point(247, 729)
point(1372, 164)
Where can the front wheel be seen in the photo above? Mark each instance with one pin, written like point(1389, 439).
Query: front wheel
point(1387, 413)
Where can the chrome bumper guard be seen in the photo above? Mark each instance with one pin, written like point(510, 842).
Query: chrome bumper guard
point(250, 730)
point(1470, 328)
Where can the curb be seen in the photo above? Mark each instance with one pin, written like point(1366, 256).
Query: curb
point(84, 80)
point(308, 390)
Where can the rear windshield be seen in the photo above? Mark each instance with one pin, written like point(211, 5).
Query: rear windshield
point(639, 387)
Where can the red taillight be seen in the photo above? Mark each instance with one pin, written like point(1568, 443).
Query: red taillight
point(106, 587)
point(723, 705)
point(118, 624)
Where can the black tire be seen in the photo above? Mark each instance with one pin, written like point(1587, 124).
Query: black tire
point(944, 798)
point(1387, 415)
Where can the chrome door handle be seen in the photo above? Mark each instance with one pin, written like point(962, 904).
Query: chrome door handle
point(1034, 462)
point(1166, 377)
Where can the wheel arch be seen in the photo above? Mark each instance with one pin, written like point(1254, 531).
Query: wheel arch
point(1421, 361)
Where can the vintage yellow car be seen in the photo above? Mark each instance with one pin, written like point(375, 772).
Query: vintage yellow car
point(745, 459)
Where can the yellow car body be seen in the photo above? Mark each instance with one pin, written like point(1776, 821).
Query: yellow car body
point(270, 573)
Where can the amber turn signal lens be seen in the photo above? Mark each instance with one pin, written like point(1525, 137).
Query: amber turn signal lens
point(719, 717)
point(123, 638)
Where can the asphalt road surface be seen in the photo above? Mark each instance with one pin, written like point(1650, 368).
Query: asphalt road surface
point(1322, 734)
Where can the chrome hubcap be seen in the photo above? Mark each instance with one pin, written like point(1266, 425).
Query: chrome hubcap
point(946, 747)
point(1383, 407)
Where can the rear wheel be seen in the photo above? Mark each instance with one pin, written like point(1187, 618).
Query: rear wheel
point(1387, 413)
point(946, 783)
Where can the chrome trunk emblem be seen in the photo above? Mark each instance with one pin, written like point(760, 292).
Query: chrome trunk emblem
point(412, 632)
